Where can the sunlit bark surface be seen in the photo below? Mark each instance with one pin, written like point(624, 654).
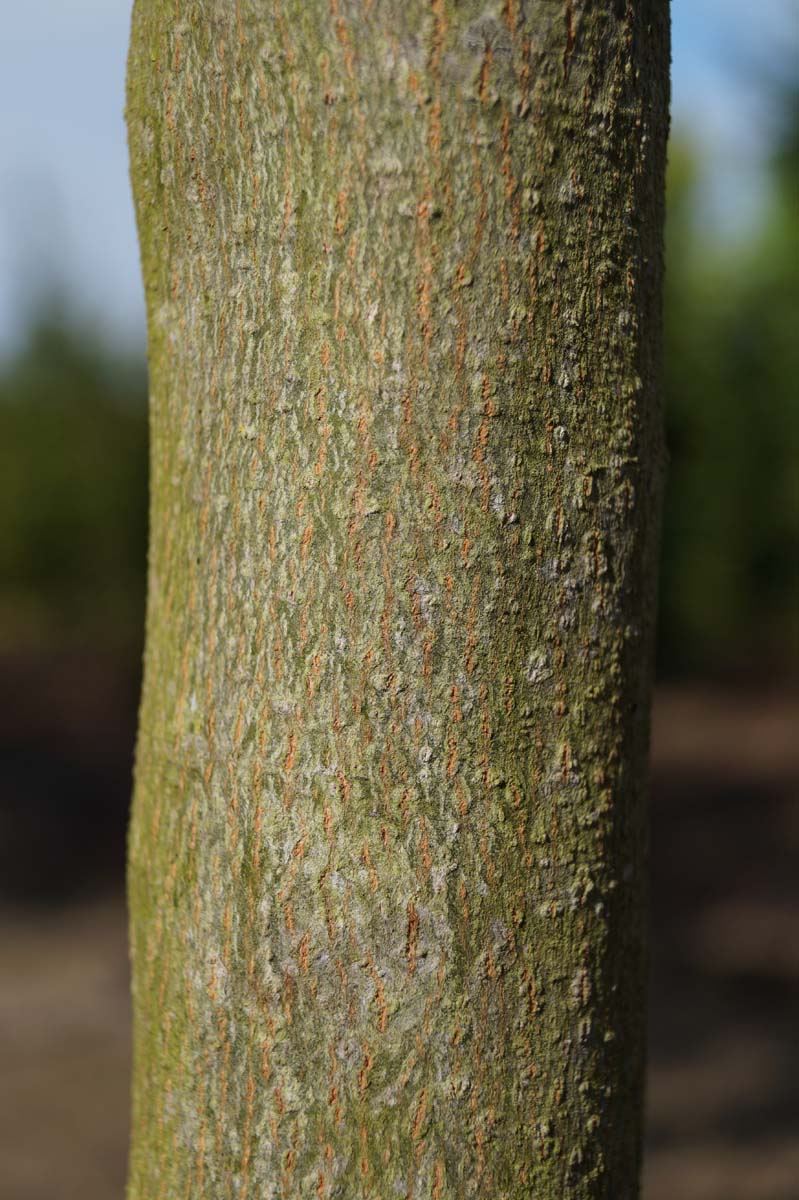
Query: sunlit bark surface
point(402, 264)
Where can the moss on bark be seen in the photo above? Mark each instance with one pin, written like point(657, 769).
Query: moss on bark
point(402, 265)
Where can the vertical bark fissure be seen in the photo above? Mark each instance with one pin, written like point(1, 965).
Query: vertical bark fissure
point(402, 267)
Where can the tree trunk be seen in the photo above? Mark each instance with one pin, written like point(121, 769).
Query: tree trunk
point(402, 264)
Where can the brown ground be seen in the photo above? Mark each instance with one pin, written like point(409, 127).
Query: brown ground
point(724, 1053)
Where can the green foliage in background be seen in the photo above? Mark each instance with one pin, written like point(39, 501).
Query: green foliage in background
point(73, 434)
point(730, 568)
point(73, 505)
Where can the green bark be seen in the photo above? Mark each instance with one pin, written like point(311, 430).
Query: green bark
point(402, 265)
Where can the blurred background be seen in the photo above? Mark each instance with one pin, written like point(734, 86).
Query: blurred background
point(723, 1110)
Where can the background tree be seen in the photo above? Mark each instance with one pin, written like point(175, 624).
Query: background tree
point(402, 268)
point(731, 536)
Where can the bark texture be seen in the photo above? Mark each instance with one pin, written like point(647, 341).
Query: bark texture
point(402, 264)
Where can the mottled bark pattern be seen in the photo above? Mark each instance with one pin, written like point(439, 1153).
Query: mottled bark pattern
point(402, 264)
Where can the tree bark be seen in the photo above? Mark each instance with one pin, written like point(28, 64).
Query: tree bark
point(402, 265)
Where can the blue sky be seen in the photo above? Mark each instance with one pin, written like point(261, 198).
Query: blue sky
point(65, 208)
